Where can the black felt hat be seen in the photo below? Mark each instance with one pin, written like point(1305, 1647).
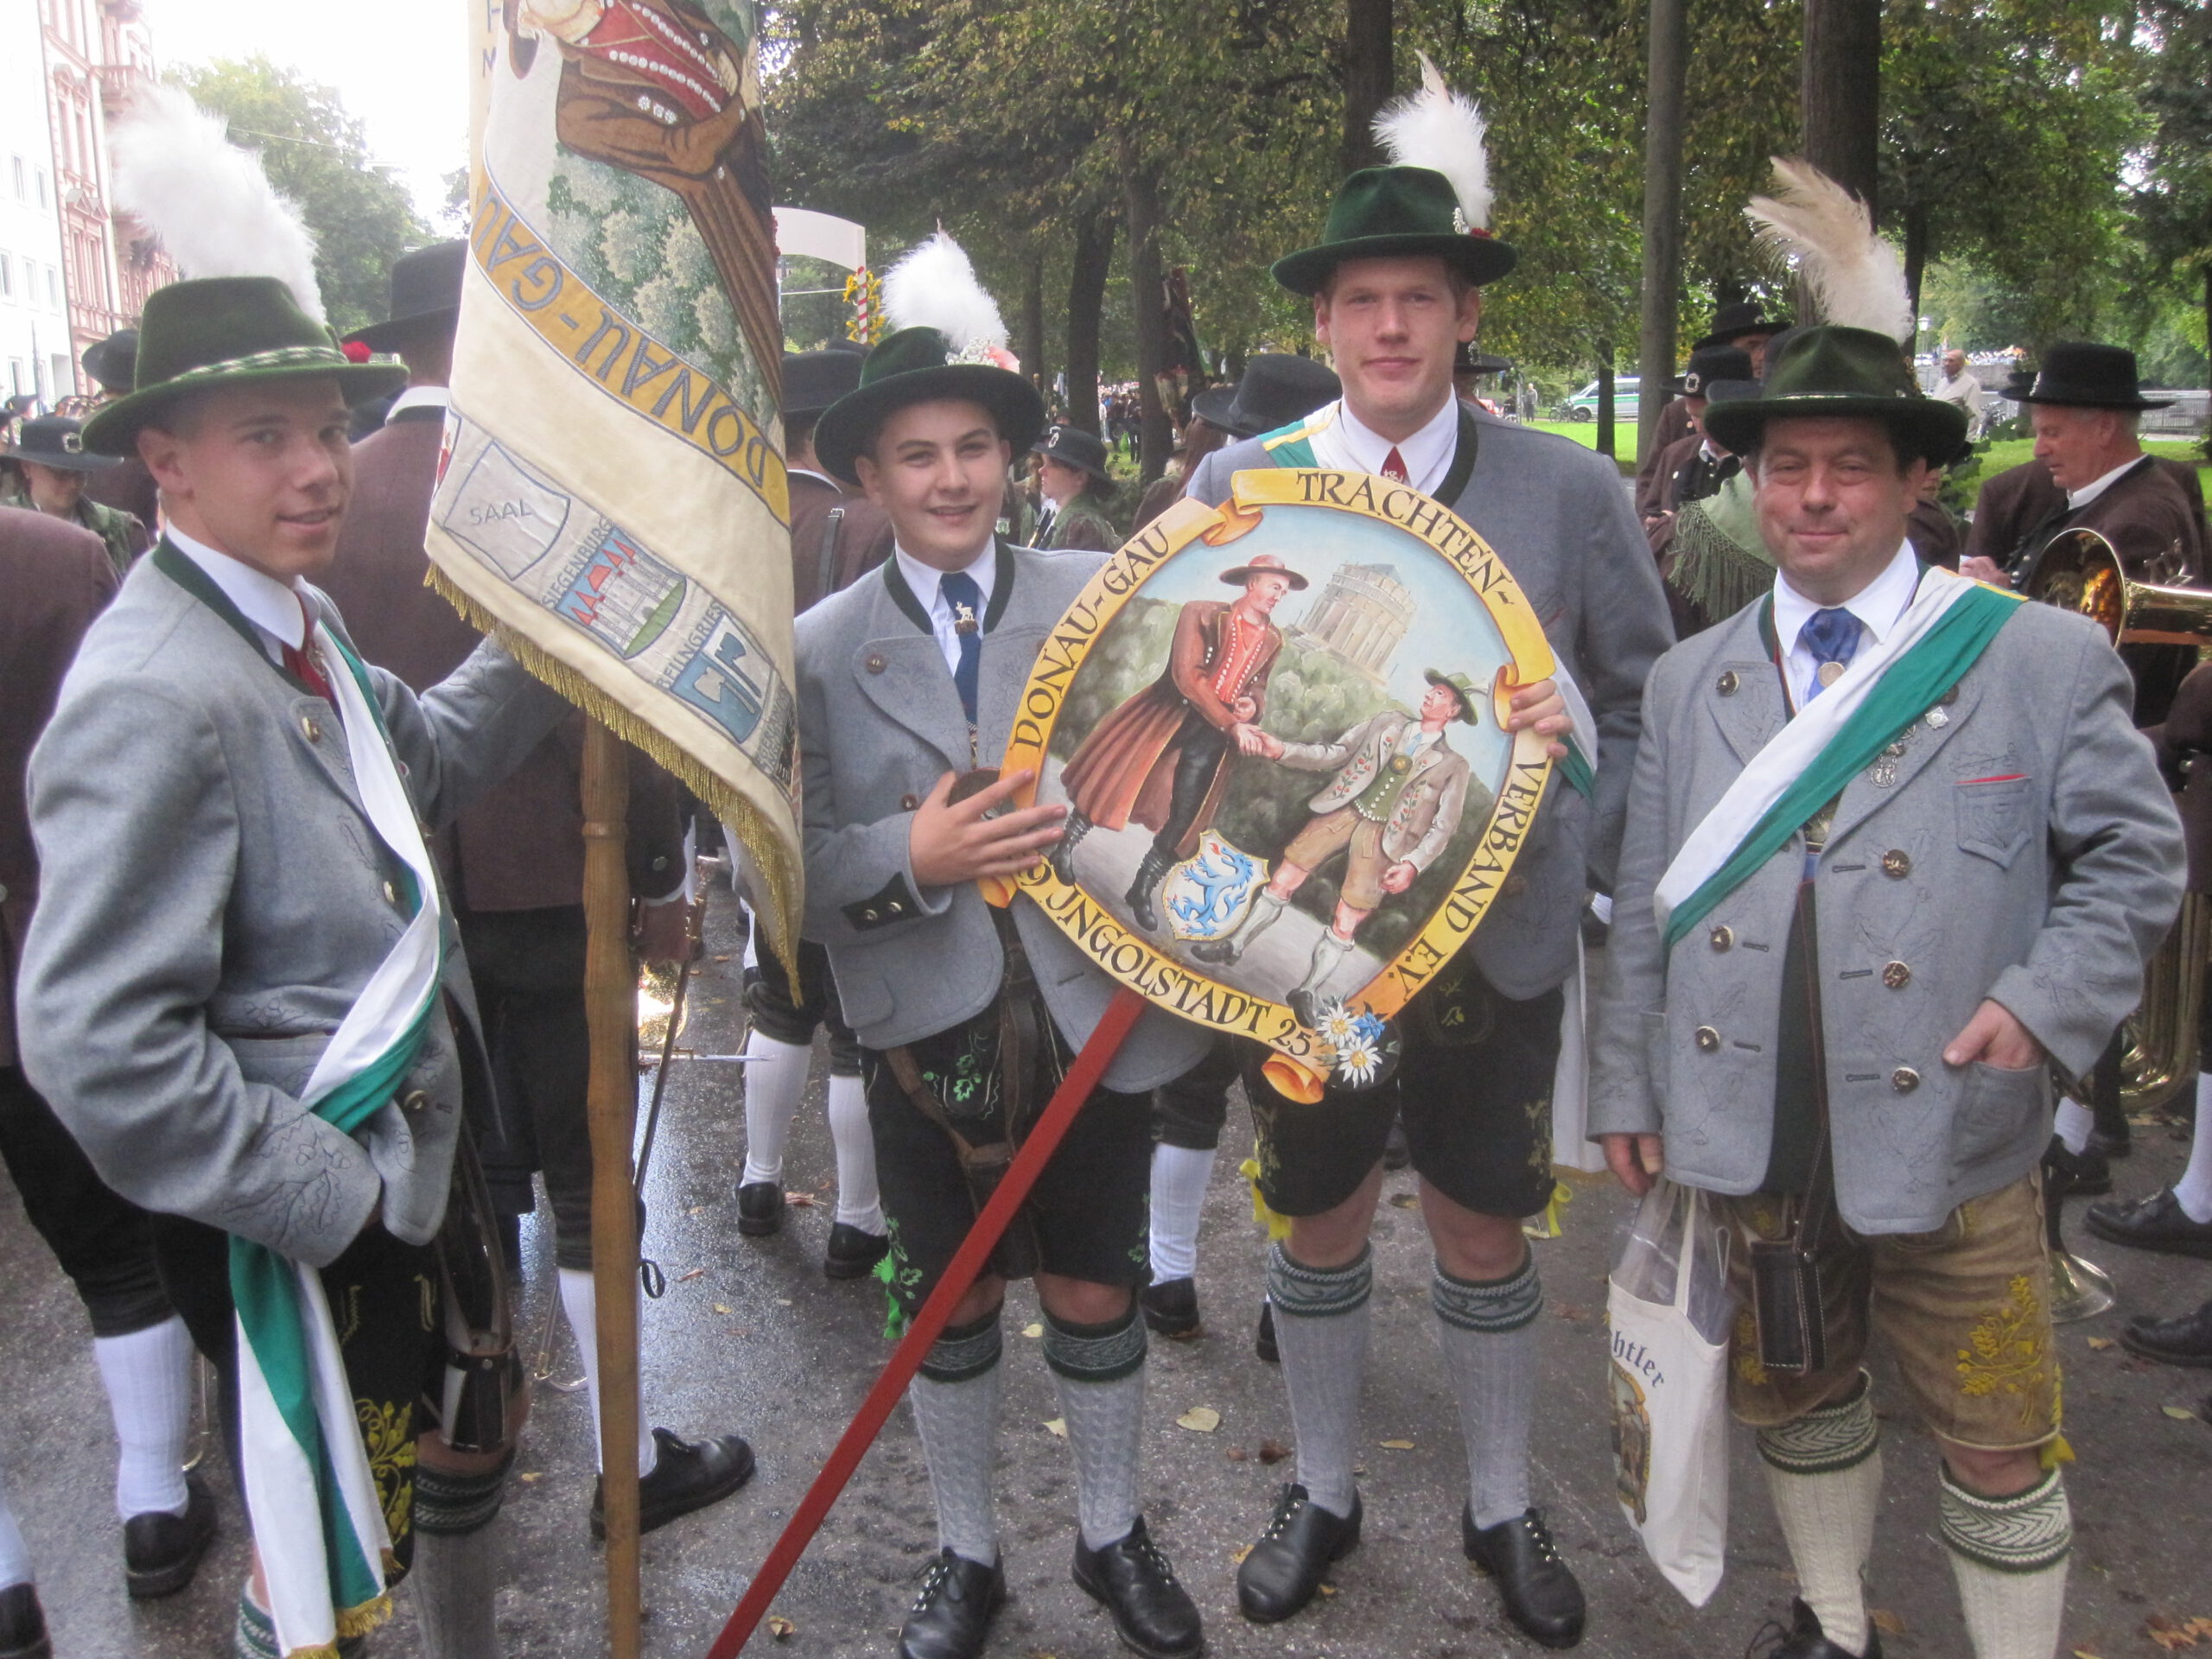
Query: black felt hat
point(2077, 375)
point(55, 441)
point(113, 361)
point(1073, 446)
point(1396, 213)
point(915, 365)
point(1468, 360)
point(1832, 373)
point(1735, 319)
point(814, 381)
point(1709, 364)
point(1276, 389)
point(425, 293)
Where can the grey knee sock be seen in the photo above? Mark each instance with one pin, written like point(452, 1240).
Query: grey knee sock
point(956, 1402)
point(1322, 1323)
point(1099, 1371)
point(455, 1578)
point(1489, 1335)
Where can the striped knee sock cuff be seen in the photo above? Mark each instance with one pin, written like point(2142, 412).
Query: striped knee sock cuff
point(964, 1350)
point(1492, 1305)
point(2026, 1533)
point(451, 1505)
point(1307, 1293)
point(1094, 1353)
point(1825, 1439)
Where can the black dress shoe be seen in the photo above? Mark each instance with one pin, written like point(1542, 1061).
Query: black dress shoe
point(1284, 1569)
point(1540, 1592)
point(1171, 1309)
point(2158, 1223)
point(160, 1552)
point(1804, 1639)
point(852, 1253)
point(2186, 1340)
point(1263, 1339)
point(687, 1475)
point(23, 1624)
point(1153, 1614)
point(951, 1617)
point(759, 1209)
point(2083, 1174)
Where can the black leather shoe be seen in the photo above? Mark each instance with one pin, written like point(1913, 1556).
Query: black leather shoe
point(852, 1253)
point(1804, 1639)
point(22, 1622)
point(1153, 1614)
point(1171, 1309)
point(1263, 1339)
point(2186, 1340)
point(687, 1475)
point(161, 1552)
point(2083, 1174)
point(2158, 1223)
point(759, 1209)
point(1284, 1569)
point(1540, 1592)
point(951, 1617)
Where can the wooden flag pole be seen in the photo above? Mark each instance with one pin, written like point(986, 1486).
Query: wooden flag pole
point(610, 1007)
point(967, 1262)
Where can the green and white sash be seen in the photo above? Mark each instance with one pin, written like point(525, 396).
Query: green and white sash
point(317, 1521)
point(1888, 686)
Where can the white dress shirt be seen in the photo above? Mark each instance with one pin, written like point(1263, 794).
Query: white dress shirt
point(1345, 444)
point(924, 579)
point(277, 610)
point(2096, 487)
point(1879, 606)
point(437, 397)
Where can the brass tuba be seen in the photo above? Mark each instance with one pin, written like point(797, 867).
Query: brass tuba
point(2079, 570)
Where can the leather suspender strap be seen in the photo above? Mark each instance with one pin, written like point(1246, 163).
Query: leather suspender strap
point(833, 524)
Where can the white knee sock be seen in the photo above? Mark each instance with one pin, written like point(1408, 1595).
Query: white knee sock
point(148, 1375)
point(1825, 1472)
point(858, 1205)
point(2072, 1125)
point(2194, 1189)
point(775, 1078)
point(1488, 1332)
point(1099, 1374)
point(1321, 1326)
point(580, 1301)
point(1180, 1175)
point(2009, 1556)
point(15, 1554)
point(955, 1397)
point(453, 1584)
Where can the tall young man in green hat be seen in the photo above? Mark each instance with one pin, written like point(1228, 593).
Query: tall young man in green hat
point(275, 1054)
point(1895, 854)
point(1395, 287)
point(966, 1014)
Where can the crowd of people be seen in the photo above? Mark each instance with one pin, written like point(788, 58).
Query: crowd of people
point(1879, 854)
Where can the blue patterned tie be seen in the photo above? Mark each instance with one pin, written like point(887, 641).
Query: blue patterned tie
point(966, 599)
point(1833, 637)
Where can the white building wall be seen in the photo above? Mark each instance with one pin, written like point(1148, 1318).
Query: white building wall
point(35, 346)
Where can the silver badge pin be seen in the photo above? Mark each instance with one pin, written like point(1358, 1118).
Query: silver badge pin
point(1937, 720)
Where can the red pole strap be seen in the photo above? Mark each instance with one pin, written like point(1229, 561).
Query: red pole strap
point(967, 1263)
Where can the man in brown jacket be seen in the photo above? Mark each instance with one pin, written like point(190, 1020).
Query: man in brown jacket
point(837, 536)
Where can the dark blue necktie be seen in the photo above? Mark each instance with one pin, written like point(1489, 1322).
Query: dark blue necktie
point(966, 599)
point(1833, 637)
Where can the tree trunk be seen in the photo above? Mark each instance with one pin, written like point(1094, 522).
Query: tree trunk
point(1094, 254)
point(1368, 77)
point(1663, 210)
point(1605, 446)
point(1033, 325)
point(1149, 302)
point(1916, 234)
point(1840, 84)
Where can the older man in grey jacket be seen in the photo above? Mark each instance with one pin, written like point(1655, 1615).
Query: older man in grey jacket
point(1895, 854)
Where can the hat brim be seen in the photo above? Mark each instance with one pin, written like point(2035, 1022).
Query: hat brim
point(2137, 402)
point(1931, 430)
point(1214, 406)
point(1484, 258)
point(1466, 708)
point(1244, 573)
point(59, 462)
point(113, 428)
point(390, 335)
point(1037, 447)
point(849, 425)
point(1768, 326)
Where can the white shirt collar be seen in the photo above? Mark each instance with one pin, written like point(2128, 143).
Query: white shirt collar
point(2097, 486)
point(809, 471)
point(1349, 443)
point(926, 581)
point(1878, 606)
point(276, 608)
point(440, 397)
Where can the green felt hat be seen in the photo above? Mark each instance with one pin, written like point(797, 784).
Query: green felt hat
point(230, 331)
point(1470, 698)
point(917, 366)
point(1834, 372)
point(1396, 213)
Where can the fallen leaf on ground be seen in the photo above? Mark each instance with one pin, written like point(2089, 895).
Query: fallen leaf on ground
point(2083, 1653)
point(2169, 1634)
point(783, 1301)
point(1200, 1419)
point(2099, 1343)
point(1327, 1589)
point(1395, 1446)
point(721, 1307)
point(696, 1209)
point(781, 1628)
point(721, 958)
point(799, 1200)
point(1404, 1200)
point(1571, 1311)
point(532, 1475)
point(1033, 1331)
point(2179, 1413)
point(1886, 1621)
point(686, 1278)
point(1238, 1454)
point(1238, 1555)
point(1057, 1426)
point(1273, 1451)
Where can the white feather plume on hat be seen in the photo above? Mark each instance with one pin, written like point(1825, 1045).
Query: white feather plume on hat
point(207, 199)
point(1819, 229)
point(1438, 128)
point(934, 286)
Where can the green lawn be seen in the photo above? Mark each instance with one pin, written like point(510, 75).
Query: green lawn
point(1585, 434)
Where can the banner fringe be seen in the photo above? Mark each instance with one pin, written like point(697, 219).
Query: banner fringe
point(781, 926)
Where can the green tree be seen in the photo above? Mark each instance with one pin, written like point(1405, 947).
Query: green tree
point(318, 155)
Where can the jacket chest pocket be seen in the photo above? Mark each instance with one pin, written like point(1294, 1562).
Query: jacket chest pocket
point(1993, 816)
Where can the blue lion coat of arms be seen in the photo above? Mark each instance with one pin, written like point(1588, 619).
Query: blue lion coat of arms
point(1206, 895)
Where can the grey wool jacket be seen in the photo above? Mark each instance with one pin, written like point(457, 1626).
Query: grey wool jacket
point(2020, 847)
point(214, 900)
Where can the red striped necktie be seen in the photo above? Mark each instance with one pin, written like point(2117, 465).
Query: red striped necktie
point(301, 663)
point(1394, 467)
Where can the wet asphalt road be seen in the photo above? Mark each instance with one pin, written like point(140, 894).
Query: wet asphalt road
point(750, 1337)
